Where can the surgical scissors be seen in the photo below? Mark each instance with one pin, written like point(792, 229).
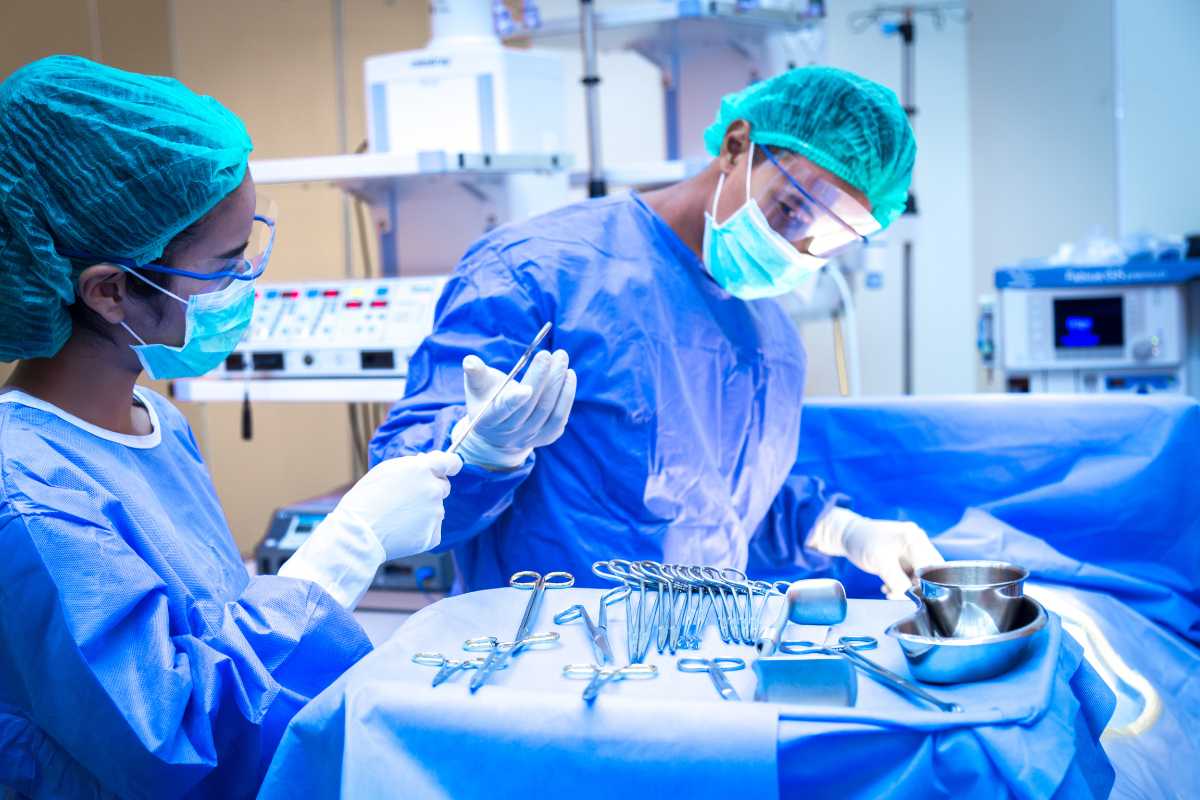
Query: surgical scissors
point(689, 619)
point(684, 599)
point(640, 623)
point(848, 646)
point(768, 589)
point(652, 572)
point(447, 666)
point(598, 677)
point(501, 652)
point(724, 597)
point(716, 669)
point(486, 644)
point(597, 631)
point(740, 583)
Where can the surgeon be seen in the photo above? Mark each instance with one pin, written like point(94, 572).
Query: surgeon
point(691, 376)
point(137, 659)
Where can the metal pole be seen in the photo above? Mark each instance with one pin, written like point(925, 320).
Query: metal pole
point(597, 186)
point(907, 31)
point(907, 334)
point(671, 104)
point(908, 35)
point(339, 87)
point(906, 28)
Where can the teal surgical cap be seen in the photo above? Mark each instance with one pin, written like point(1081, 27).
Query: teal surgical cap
point(98, 160)
point(846, 124)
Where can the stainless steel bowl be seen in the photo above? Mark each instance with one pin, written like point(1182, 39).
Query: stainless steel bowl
point(972, 598)
point(937, 659)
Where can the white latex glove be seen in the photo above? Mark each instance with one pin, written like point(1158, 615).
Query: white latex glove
point(529, 413)
point(892, 550)
point(395, 510)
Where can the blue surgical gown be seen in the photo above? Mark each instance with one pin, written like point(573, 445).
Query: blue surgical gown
point(137, 657)
point(686, 421)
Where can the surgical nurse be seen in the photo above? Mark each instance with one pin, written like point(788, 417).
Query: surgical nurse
point(137, 658)
point(691, 376)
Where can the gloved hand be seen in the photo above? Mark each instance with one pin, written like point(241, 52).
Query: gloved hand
point(892, 550)
point(395, 510)
point(529, 413)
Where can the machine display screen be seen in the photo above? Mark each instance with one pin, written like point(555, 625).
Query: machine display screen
point(1085, 322)
point(298, 532)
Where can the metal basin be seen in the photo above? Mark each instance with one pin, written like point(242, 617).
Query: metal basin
point(937, 659)
point(972, 598)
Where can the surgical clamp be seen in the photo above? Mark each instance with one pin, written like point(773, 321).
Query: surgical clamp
point(599, 677)
point(848, 647)
point(597, 631)
point(448, 667)
point(521, 362)
point(716, 669)
point(537, 584)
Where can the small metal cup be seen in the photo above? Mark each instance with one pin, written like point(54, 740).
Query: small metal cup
point(972, 598)
point(812, 601)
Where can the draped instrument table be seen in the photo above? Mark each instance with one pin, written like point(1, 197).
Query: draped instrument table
point(382, 730)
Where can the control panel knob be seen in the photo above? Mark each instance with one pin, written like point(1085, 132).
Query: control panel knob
point(1145, 349)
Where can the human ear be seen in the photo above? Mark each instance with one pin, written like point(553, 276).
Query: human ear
point(735, 146)
point(102, 288)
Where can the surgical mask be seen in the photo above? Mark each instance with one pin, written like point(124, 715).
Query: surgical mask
point(216, 322)
point(747, 257)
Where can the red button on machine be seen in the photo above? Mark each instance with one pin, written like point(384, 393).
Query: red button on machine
point(379, 304)
point(354, 304)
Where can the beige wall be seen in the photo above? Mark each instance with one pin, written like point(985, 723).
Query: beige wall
point(131, 34)
point(30, 30)
point(273, 63)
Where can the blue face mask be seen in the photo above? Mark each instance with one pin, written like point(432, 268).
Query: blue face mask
point(216, 322)
point(747, 257)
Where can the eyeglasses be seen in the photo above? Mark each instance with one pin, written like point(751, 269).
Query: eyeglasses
point(246, 267)
point(807, 218)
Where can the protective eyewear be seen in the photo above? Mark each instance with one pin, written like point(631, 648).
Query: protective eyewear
point(247, 266)
point(820, 218)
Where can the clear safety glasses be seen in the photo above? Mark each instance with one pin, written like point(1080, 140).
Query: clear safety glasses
point(221, 271)
point(811, 212)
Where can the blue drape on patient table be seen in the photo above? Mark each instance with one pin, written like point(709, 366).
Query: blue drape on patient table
point(1095, 493)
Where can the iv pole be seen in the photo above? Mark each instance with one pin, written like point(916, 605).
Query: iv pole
point(597, 186)
point(899, 19)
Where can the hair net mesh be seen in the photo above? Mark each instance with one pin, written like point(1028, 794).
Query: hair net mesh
point(853, 127)
point(101, 161)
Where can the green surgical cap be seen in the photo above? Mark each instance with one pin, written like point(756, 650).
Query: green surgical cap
point(101, 161)
point(846, 124)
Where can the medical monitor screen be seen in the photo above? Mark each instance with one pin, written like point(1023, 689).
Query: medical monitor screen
point(1086, 322)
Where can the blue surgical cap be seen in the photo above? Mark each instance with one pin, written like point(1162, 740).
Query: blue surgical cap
point(98, 160)
point(842, 122)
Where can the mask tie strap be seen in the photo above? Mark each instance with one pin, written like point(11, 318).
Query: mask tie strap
point(129, 330)
point(749, 166)
point(154, 285)
point(721, 185)
point(716, 197)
